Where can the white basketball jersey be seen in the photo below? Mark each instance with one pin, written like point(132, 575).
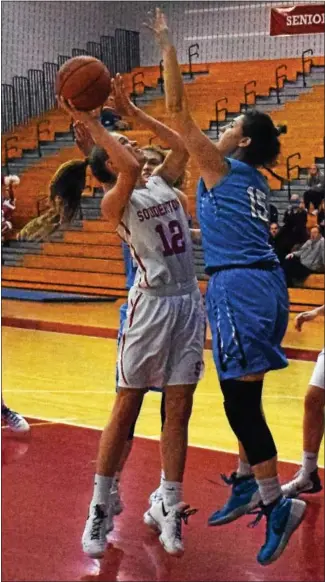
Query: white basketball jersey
point(155, 227)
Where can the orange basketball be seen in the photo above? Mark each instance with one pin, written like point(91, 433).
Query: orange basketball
point(85, 80)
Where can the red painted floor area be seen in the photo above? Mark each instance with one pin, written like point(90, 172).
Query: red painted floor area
point(46, 488)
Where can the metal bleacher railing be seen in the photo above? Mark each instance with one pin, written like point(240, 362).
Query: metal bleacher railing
point(34, 94)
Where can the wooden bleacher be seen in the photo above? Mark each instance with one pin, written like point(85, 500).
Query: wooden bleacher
point(90, 260)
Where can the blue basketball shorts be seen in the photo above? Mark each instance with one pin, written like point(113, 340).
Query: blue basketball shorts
point(248, 312)
point(123, 315)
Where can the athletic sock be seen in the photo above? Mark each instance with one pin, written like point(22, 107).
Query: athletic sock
point(162, 478)
point(309, 462)
point(244, 469)
point(116, 481)
point(102, 488)
point(172, 492)
point(270, 489)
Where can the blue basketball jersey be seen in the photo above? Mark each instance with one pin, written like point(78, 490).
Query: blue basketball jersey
point(234, 219)
point(130, 266)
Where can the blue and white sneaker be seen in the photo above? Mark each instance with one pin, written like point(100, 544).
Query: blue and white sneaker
point(244, 498)
point(283, 517)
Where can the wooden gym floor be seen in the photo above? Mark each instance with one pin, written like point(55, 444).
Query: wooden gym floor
point(58, 368)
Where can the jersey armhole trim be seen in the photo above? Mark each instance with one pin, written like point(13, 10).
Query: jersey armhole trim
point(223, 180)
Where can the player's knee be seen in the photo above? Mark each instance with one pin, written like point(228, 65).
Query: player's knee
point(314, 399)
point(127, 404)
point(243, 409)
point(178, 403)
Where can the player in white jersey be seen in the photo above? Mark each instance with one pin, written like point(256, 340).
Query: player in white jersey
point(162, 343)
point(307, 479)
point(154, 157)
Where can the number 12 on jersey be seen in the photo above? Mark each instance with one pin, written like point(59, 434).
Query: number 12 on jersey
point(172, 238)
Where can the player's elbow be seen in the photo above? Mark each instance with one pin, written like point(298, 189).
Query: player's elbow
point(111, 214)
point(182, 122)
point(185, 155)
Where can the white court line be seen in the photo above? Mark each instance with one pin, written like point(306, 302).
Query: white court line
point(152, 438)
point(63, 392)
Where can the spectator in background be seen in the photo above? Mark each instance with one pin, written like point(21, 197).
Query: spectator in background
point(320, 217)
point(312, 213)
point(274, 214)
point(8, 203)
point(315, 176)
point(309, 259)
point(314, 195)
point(293, 232)
point(273, 231)
point(110, 118)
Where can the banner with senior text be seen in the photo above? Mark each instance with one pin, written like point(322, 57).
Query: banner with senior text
point(302, 19)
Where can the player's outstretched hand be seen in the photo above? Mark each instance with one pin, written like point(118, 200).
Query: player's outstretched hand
point(77, 115)
point(84, 139)
point(158, 24)
point(123, 103)
point(302, 317)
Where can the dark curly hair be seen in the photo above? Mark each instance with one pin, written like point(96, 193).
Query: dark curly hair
point(264, 147)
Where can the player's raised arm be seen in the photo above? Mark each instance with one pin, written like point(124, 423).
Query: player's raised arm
point(174, 164)
point(210, 160)
point(124, 163)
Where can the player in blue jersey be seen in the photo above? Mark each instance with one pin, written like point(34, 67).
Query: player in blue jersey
point(247, 300)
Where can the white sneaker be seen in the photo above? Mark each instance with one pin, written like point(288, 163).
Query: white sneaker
point(302, 483)
point(15, 421)
point(169, 524)
point(156, 496)
point(115, 498)
point(98, 525)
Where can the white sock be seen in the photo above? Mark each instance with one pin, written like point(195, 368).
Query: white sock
point(270, 489)
point(162, 478)
point(309, 462)
point(172, 492)
point(102, 488)
point(244, 469)
point(116, 480)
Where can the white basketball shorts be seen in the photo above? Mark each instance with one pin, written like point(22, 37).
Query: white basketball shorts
point(317, 378)
point(163, 340)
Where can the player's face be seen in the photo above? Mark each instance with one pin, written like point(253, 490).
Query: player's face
point(132, 147)
point(152, 160)
point(232, 137)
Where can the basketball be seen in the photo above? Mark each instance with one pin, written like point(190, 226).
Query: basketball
point(84, 80)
